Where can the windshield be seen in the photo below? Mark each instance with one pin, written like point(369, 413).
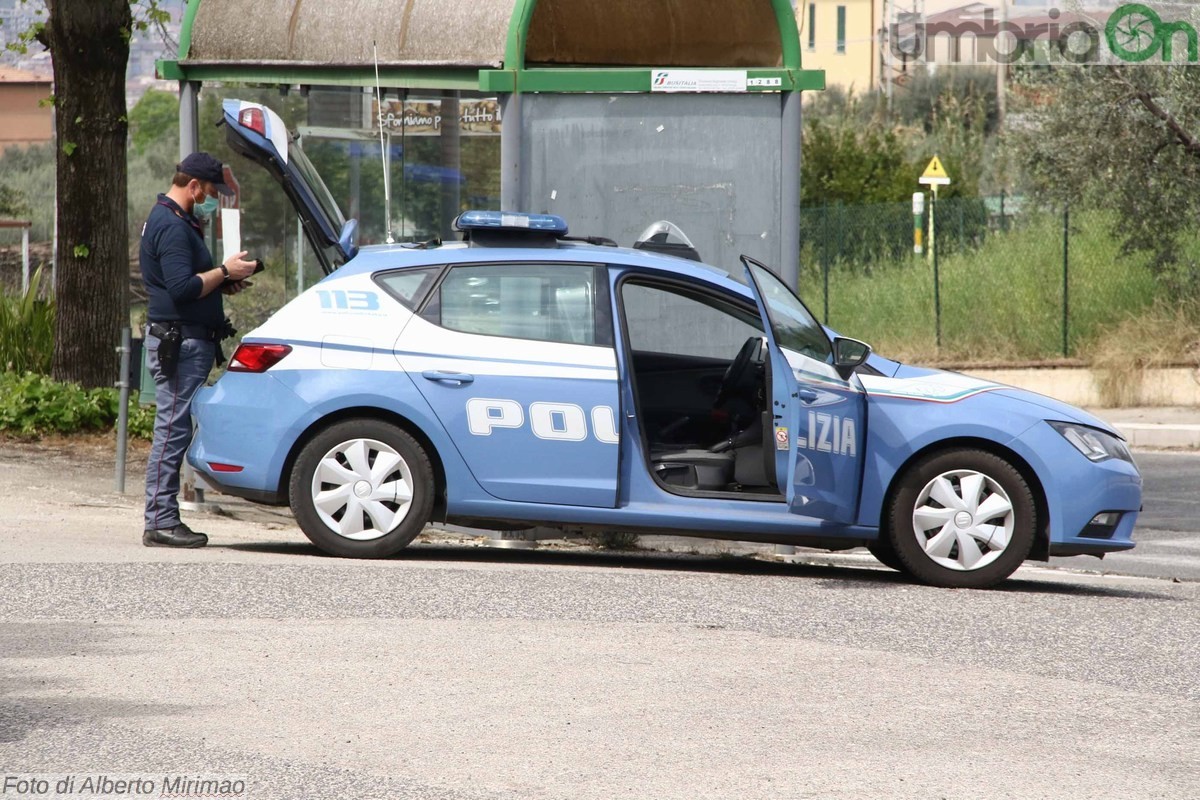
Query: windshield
point(792, 325)
point(320, 192)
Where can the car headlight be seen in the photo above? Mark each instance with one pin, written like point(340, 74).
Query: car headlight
point(1096, 444)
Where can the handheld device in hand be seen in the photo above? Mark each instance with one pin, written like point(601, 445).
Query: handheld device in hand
point(259, 266)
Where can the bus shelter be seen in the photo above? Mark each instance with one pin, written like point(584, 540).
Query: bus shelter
point(612, 114)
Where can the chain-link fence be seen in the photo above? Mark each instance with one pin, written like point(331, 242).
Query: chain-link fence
point(1008, 282)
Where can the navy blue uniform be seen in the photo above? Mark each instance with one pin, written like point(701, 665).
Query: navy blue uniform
point(173, 256)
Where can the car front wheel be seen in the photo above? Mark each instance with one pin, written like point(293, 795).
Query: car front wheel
point(962, 518)
point(362, 489)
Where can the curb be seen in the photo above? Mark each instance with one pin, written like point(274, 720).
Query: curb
point(1158, 436)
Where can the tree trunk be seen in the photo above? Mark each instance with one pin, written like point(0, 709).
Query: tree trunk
point(89, 42)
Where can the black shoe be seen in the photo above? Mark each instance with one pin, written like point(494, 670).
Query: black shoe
point(179, 536)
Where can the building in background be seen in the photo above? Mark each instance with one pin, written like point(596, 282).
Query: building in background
point(840, 37)
point(145, 46)
point(25, 116)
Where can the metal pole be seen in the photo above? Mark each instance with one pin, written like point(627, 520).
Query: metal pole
point(123, 407)
point(24, 260)
point(451, 151)
point(1066, 294)
point(511, 192)
point(825, 258)
point(189, 118)
point(1001, 73)
point(937, 295)
point(789, 191)
point(299, 259)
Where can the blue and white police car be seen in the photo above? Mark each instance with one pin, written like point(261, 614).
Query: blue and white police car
point(525, 377)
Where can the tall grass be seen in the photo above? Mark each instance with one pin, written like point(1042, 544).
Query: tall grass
point(26, 330)
point(1003, 301)
point(1163, 335)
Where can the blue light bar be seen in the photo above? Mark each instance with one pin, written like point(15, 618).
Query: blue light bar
point(511, 221)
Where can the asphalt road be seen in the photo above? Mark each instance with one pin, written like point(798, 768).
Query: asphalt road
point(459, 672)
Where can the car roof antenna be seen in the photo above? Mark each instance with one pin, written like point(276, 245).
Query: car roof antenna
point(383, 150)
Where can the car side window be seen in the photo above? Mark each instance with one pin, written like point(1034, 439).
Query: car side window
point(666, 319)
point(546, 302)
point(408, 286)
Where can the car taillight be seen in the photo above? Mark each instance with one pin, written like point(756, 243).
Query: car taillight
point(257, 357)
point(252, 118)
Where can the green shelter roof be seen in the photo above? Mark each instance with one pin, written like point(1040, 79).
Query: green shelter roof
point(455, 43)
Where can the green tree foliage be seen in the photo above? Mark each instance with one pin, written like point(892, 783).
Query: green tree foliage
point(12, 202)
point(856, 151)
point(154, 119)
point(921, 102)
point(843, 162)
point(28, 176)
point(1125, 139)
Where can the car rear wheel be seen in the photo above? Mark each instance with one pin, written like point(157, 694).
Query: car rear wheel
point(962, 518)
point(362, 489)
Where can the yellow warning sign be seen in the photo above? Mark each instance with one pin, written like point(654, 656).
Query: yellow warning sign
point(934, 174)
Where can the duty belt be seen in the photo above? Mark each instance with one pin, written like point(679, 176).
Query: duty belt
point(202, 332)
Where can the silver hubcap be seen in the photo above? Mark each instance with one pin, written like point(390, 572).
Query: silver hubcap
point(963, 520)
point(362, 489)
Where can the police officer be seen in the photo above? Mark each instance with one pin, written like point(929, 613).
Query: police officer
point(186, 322)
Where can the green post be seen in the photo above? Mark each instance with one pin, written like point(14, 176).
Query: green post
point(1066, 284)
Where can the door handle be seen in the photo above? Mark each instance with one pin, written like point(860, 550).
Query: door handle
point(806, 395)
point(445, 376)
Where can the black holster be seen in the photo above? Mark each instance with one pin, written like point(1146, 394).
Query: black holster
point(170, 340)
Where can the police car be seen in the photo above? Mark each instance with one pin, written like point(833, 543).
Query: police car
point(526, 377)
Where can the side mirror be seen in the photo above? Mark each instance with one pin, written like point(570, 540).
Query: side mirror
point(848, 354)
point(347, 239)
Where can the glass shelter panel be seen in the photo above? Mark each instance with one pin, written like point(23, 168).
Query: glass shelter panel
point(613, 163)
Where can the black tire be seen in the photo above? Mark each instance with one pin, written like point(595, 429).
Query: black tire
point(963, 542)
point(375, 521)
point(885, 554)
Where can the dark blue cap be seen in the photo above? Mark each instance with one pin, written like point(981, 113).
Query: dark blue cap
point(206, 168)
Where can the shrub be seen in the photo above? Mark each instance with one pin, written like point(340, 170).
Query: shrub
point(34, 405)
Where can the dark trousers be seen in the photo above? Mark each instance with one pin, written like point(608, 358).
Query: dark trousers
point(172, 425)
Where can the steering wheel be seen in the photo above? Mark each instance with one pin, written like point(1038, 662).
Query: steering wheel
point(741, 370)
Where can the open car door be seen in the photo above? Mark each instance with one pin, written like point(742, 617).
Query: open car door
point(257, 132)
point(819, 416)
